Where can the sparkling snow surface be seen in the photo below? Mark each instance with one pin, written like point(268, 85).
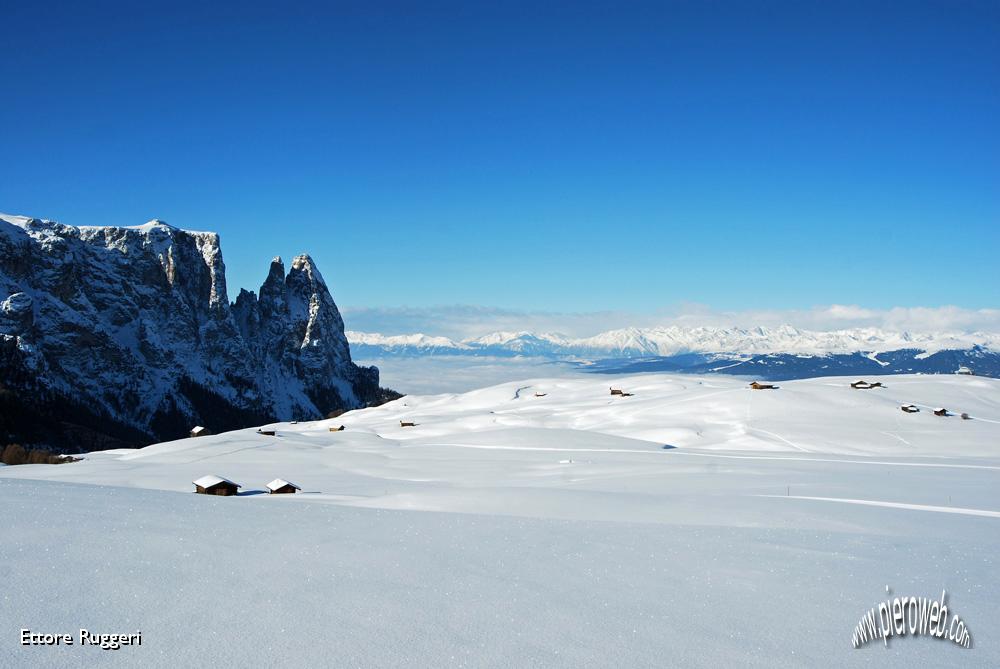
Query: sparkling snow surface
point(696, 523)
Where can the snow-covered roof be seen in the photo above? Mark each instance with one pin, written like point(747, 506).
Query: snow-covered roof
point(211, 480)
point(197, 429)
point(281, 483)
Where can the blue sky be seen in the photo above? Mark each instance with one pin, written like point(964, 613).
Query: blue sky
point(577, 157)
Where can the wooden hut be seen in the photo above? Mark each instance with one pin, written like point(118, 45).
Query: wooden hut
point(199, 431)
point(215, 485)
point(617, 391)
point(540, 394)
point(877, 384)
point(756, 385)
point(282, 487)
point(403, 423)
point(861, 385)
point(267, 433)
point(909, 408)
point(940, 412)
point(338, 429)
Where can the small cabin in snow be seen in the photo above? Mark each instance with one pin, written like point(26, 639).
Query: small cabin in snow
point(940, 412)
point(215, 485)
point(406, 424)
point(267, 433)
point(877, 384)
point(617, 391)
point(540, 394)
point(861, 385)
point(965, 370)
point(282, 487)
point(199, 431)
point(338, 429)
point(909, 408)
point(756, 385)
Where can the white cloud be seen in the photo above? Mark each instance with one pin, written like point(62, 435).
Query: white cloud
point(465, 321)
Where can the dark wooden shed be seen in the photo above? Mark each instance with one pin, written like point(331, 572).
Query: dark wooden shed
point(200, 431)
point(909, 408)
point(403, 423)
point(940, 412)
point(338, 429)
point(215, 485)
point(282, 487)
point(861, 385)
point(756, 385)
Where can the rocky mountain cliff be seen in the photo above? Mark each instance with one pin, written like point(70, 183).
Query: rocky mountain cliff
point(122, 336)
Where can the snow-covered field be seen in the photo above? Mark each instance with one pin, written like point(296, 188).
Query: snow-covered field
point(540, 523)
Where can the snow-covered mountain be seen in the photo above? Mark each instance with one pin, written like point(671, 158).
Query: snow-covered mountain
point(115, 335)
point(769, 353)
point(671, 341)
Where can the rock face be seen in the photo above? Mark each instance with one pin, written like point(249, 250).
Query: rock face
point(122, 336)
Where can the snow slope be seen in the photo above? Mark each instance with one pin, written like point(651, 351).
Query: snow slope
point(695, 523)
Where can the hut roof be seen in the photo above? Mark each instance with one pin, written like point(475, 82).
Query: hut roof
point(198, 429)
point(211, 480)
point(281, 483)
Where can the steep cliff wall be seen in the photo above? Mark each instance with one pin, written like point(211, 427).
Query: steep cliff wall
point(126, 335)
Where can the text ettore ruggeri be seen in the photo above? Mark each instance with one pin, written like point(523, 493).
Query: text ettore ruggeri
point(84, 638)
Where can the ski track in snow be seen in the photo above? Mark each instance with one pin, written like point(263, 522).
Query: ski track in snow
point(837, 461)
point(895, 505)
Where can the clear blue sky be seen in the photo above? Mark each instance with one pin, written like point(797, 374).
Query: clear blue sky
point(568, 157)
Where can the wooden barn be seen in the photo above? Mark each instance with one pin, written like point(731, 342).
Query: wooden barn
point(540, 394)
point(282, 487)
point(861, 385)
point(877, 384)
point(909, 408)
point(267, 433)
point(756, 385)
point(940, 412)
point(338, 429)
point(199, 431)
point(617, 391)
point(404, 423)
point(215, 485)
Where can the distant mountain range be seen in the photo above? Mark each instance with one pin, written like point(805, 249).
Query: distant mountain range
point(777, 353)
